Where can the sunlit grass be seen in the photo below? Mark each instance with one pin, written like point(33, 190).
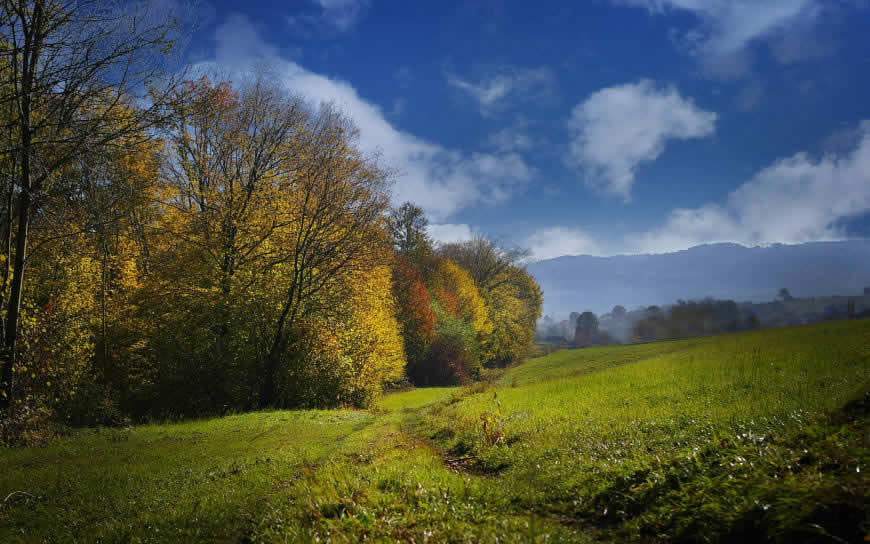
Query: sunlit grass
point(577, 423)
point(689, 440)
point(414, 398)
point(179, 481)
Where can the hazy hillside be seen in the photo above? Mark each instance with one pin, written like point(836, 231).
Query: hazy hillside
point(730, 271)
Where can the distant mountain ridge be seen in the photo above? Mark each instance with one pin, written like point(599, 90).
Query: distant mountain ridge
point(729, 271)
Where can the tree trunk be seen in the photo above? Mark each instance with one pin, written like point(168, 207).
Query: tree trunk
point(269, 391)
point(14, 306)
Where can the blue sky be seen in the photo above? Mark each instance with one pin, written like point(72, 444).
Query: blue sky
point(595, 127)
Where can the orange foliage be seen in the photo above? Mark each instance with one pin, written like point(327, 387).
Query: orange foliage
point(415, 309)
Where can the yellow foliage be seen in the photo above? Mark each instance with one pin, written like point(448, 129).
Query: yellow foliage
point(374, 322)
point(454, 283)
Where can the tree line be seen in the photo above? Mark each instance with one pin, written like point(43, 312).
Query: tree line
point(681, 320)
point(176, 245)
point(687, 319)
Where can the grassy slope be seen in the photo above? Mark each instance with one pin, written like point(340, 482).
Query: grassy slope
point(687, 440)
point(695, 440)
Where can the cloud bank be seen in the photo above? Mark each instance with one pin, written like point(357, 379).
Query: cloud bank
point(796, 199)
point(554, 242)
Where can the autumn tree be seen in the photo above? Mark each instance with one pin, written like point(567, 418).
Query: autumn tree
point(514, 308)
point(415, 312)
point(73, 70)
point(336, 205)
point(96, 209)
point(512, 298)
point(348, 354)
point(486, 261)
point(276, 208)
point(462, 326)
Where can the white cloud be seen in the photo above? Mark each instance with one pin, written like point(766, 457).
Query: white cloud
point(327, 17)
point(450, 232)
point(515, 137)
point(797, 199)
point(342, 14)
point(619, 128)
point(503, 86)
point(440, 180)
point(729, 27)
point(554, 242)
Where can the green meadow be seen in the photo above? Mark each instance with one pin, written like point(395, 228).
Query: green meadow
point(757, 436)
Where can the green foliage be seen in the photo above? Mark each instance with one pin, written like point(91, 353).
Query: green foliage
point(693, 318)
point(453, 357)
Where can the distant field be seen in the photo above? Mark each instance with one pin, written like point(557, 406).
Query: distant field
point(755, 436)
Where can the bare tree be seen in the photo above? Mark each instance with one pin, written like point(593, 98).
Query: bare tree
point(407, 225)
point(76, 76)
point(485, 260)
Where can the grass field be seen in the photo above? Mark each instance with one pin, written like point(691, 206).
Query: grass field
point(757, 436)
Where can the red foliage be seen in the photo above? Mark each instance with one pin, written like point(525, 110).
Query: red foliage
point(415, 310)
point(448, 298)
point(219, 93)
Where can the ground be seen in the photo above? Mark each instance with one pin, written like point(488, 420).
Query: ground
point(758, 436)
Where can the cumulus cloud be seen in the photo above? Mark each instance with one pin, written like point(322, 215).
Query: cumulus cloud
point(797, 199)
point(729, 27)
point(440, 180)
point(450, 232)
point(618, 128)
point(502, 87)
point(554, 242)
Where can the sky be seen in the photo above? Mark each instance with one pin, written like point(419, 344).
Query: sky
point(598, 127)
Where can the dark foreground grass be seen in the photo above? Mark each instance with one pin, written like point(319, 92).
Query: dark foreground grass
point(759, 436)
